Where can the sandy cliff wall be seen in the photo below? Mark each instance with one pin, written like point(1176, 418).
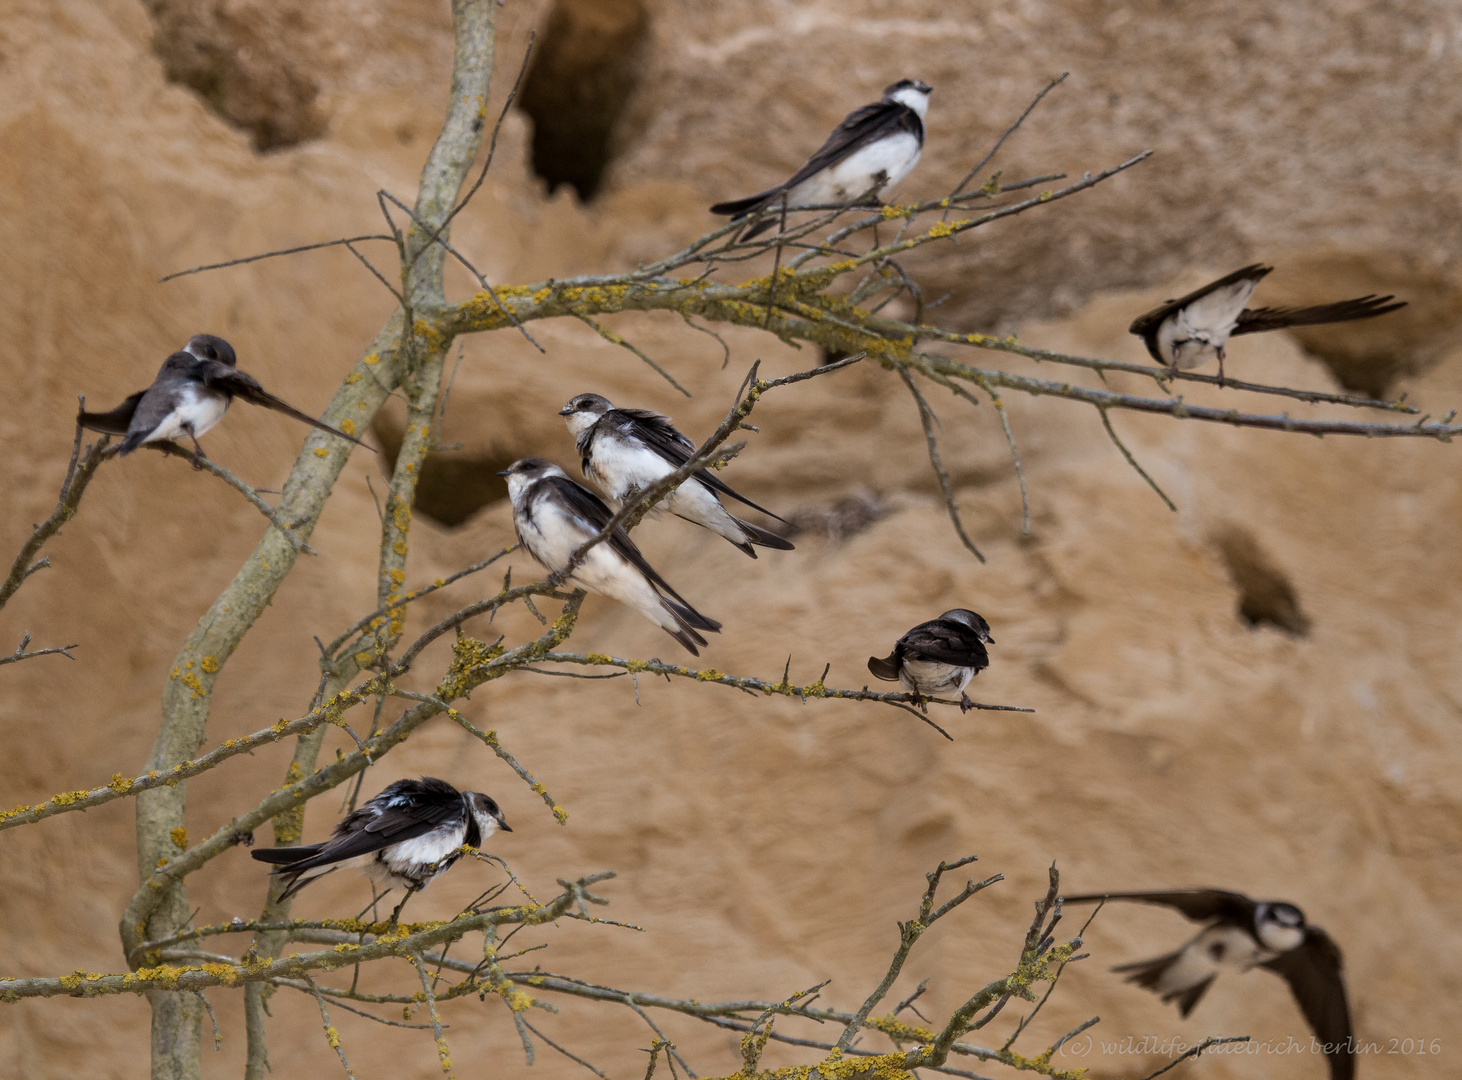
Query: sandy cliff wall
point(768, 846)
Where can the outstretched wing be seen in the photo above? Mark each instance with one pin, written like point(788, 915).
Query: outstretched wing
point(1313, 971)
point(1200, 905)
point(947, 642)
point(859, 127)
point(659, 434)
point(241, 385)
point(1253, 321)
point(1148, 322)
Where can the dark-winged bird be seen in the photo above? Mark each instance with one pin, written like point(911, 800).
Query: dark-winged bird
point(626, 450)
point(555, 516)
point(1191, 330)
point(1244, 934)
point(869, 152)
point(938, 657)
point(192, 391)
point(407, 835)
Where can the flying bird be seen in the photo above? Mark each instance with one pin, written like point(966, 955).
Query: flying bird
point(555, 516)
point(938, 657)
point(869, 152)
point(407, 835)
point(1189, 331)
point(626, 450)
point(1244, 934)
point(192, 391)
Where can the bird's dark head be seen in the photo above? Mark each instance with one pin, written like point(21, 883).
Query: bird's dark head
point(524, 473)
point(529, 469)
point(208, 347)
point(966, 617)
point(586, 404)
point(911, 92)
point(582, 412)
point(1278, 925)
point(487, 813)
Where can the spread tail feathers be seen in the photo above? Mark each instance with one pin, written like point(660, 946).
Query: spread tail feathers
point(885, 668)
point(1149, 975)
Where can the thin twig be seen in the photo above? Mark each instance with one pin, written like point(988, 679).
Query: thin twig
point(1107, 423)
point(1196, 1051)
point(1008, 132)
point(927, 421)
point(274, 254)
point(615, 339)
point(20, 653)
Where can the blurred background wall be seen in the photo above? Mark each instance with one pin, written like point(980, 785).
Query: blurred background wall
point(1259, 692)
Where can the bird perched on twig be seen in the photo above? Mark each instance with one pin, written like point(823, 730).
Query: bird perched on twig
point(938, 657)
point(869, 152)
point(555, 516)
point(192, 391)
point(407, 835)
point(1244, 934)
point(626, 450)
point(1189, 331)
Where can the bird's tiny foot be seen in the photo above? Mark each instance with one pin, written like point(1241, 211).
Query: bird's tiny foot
point(965, 704)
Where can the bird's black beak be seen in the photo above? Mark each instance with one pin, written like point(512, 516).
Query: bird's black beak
point(504, 472)
point(989, 639)
point(503, 825)
point(565, 410)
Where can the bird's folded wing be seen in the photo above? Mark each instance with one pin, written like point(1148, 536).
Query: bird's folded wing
point(1313, 972)
point(1149, 321)
point(245, 386)
point(656, 432)
point(114, 422)
point(1199, 905)
point(594, 515)
point(946, 643)
point(858, 128)
point(1255, 320)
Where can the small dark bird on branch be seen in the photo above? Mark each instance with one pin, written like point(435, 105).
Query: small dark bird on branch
point(1191, 330)
point(555, 516)
point(627, 450)
point(869, 152)
point(192, 391)
point(1245, 934)
point(938, 657)
point(407, 835)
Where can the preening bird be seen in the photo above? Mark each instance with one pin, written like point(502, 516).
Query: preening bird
point(407, 835)
point(938, 657)
point(192, 391)
point(555, 516)
point(626, 450)
point(868, 153)
point(1191, 330)
point(1244, 934)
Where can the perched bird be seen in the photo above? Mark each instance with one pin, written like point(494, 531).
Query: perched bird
point(555, 516)
point(1244, 934)
point(192, 391)
point(407, 835)
point(938, 657)
point(1189, 331)
point(627, 450)
point(869, 152)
